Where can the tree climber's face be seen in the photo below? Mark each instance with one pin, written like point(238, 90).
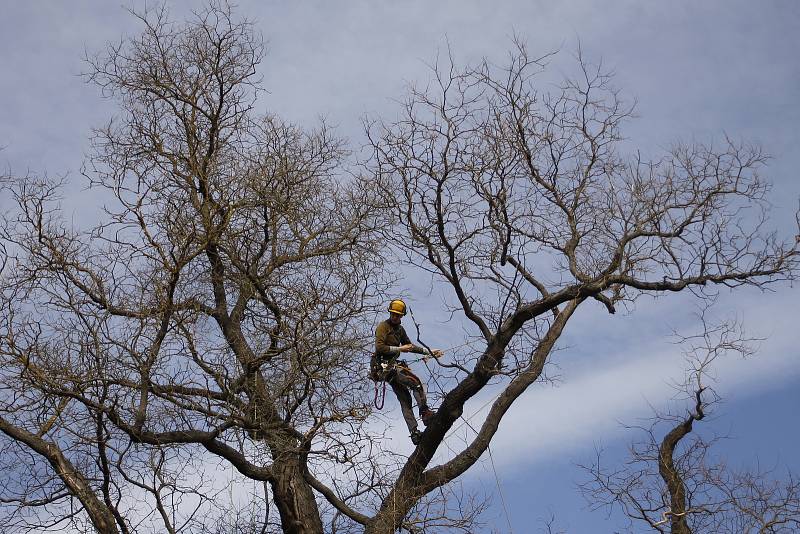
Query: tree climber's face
point(395, 318)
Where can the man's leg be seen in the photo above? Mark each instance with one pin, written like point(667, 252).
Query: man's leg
point(405, 403)
point(408, 379)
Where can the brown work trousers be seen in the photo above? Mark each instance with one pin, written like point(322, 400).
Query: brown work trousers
point(405, 383)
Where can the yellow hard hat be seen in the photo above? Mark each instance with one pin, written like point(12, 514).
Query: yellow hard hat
point(397, 306)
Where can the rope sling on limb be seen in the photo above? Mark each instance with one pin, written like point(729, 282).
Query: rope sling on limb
point(466, 421)
point(380, 395)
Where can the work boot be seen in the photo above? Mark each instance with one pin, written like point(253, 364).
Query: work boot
point(425, 414)
point(416, 436)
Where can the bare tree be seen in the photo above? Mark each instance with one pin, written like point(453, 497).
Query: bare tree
point(672, 482)
point(523, 203)
point(219, 312)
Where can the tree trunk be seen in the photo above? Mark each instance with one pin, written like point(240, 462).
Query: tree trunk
point(379, 527)
point(672, 477)
point(395, 507)
point(295, 499)
point(383, 523)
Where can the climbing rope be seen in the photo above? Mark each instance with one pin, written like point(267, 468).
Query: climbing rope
point(466, 421)
point(494, 470)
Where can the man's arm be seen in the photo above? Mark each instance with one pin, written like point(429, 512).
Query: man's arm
point(387, 351)
point(407, 346)
point(410, 347)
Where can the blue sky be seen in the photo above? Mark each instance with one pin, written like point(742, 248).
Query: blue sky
point(697, 70)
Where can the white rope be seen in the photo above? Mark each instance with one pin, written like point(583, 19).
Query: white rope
point(500, 491)
point(466, 421)
point(494, 469)
point(488, 448)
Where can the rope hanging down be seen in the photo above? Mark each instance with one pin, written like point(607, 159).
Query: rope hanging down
point(466, 421)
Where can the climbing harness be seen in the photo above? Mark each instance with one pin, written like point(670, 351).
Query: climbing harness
point(382, 373)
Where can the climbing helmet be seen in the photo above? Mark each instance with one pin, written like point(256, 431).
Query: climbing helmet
point(397, 306)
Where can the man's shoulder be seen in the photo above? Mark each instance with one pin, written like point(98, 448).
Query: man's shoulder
point(386, 325)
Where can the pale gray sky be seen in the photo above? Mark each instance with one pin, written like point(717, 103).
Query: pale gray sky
point(697, 69)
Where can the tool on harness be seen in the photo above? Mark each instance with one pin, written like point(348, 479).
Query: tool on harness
point(381, 372)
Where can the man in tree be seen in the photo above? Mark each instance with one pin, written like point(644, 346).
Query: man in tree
point(223, 293)
point(391, 340)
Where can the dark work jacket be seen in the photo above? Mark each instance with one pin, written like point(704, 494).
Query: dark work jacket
point(388, 335)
